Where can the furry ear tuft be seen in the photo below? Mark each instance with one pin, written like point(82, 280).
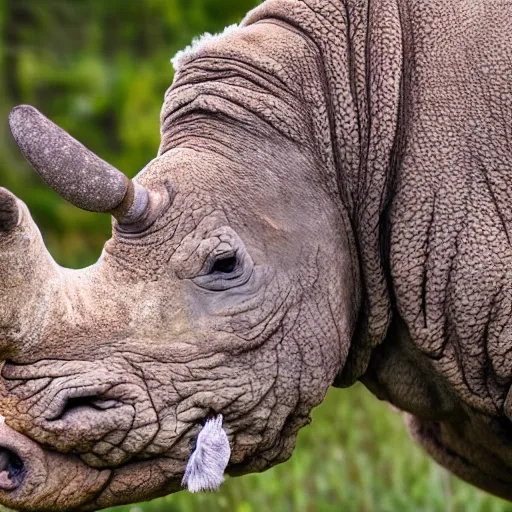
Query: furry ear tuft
point(197, 44)
point(206, 465)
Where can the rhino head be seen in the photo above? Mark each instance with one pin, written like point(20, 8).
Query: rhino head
point(228, 287)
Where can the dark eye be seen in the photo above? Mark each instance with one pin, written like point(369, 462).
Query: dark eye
point(225, 270)
point(224, 265)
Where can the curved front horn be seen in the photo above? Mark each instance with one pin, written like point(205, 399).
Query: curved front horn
point(73, 171)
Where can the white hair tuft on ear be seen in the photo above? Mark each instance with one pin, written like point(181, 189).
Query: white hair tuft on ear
point(206, 465)
point(197, 44)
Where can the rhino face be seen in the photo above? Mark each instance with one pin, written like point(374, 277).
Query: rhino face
point(219, 292)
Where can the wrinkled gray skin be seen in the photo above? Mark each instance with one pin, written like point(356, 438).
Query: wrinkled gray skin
point(355, 157)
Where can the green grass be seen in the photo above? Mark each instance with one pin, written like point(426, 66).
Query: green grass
point(356, 456)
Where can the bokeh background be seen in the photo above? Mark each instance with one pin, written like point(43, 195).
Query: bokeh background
point(99, 69)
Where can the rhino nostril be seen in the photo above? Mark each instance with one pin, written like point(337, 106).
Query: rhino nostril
point(11, 470)
point(84, 402)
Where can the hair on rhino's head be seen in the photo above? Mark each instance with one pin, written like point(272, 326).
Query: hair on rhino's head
point(227, 288)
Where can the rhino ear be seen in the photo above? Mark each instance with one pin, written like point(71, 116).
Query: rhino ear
point(73, 171)
point(9, 211)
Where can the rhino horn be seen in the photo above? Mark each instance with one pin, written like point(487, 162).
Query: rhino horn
point(73, 171)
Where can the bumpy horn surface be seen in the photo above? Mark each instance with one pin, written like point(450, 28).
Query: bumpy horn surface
point(73, 171)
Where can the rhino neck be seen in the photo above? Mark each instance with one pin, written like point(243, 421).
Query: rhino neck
point(360, 50)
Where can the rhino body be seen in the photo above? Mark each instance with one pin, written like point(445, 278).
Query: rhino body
point(330, 203)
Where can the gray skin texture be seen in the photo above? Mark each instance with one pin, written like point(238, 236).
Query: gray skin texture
point(355, 157)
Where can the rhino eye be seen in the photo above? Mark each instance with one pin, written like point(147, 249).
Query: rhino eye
point(225, 265)
point(228, 269)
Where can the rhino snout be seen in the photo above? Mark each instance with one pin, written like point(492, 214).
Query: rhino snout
point(31, 477)
point(104, 415)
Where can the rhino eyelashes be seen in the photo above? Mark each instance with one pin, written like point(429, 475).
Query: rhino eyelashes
point(226, 271)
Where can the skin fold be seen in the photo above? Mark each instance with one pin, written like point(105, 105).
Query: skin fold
point(330, 203)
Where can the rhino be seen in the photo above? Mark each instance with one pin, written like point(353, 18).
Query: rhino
point(330, 203)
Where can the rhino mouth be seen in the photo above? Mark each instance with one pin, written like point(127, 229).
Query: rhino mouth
point(69, 406)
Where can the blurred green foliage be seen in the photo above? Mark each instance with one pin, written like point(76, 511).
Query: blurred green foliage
point(99, 68)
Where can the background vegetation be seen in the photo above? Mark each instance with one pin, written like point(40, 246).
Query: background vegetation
point(99, 68)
